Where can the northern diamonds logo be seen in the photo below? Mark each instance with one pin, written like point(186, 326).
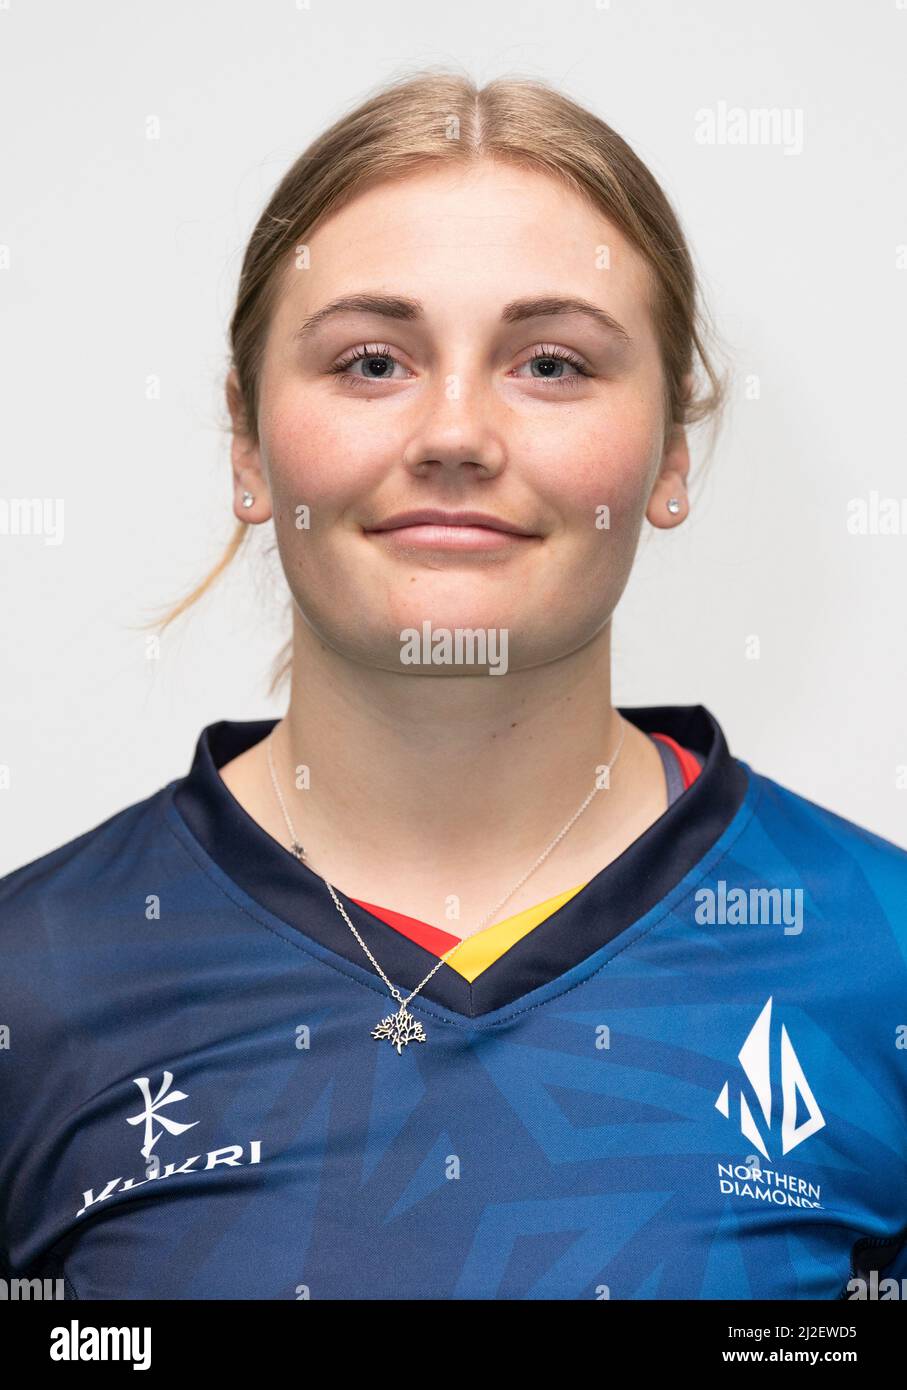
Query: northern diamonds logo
point(231, 1156)
point(755, 1059)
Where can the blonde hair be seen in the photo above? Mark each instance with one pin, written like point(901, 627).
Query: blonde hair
point(441, 117)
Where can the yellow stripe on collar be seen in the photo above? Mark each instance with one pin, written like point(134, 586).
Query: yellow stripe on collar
point(478, 952)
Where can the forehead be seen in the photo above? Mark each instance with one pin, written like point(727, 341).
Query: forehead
point(470, 237)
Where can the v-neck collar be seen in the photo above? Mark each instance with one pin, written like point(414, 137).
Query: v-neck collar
point(610, 903)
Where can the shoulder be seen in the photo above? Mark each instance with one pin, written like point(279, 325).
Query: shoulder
point(818, 825)
point(96, 865)
point(835, 860)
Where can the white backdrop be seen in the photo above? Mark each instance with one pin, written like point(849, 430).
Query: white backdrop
point(120, 256)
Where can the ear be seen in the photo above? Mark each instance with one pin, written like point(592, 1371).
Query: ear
point(672, 476)
point(245, 456)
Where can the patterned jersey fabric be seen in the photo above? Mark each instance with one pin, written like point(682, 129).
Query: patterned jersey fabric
point(687, 1080)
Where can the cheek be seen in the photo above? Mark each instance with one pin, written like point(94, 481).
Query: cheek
point(310, 458)
point(606, 466)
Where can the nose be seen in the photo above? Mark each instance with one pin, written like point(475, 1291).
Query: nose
point(457, 428)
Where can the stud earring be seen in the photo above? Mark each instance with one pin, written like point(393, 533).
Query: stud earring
point(673, 505)
point(247, 499)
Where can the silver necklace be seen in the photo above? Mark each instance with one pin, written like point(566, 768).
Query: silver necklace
point(401, 1028)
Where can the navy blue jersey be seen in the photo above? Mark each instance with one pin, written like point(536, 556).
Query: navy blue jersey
point(689, 1081)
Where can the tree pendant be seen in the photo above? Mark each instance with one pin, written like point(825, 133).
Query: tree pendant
point(399, 1029)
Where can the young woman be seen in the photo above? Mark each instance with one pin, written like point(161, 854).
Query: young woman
point(457, 981)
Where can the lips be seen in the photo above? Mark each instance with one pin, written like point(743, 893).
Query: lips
point(431, 530)
point(435, 517)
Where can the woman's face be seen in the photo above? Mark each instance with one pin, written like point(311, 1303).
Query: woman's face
point(455, 391)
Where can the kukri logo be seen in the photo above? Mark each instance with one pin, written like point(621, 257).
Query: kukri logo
point(150, 1117)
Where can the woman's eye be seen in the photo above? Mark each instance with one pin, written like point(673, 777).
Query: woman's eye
point(377, 365)
point(555, 366)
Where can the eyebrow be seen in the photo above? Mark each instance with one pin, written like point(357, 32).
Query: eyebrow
point(517, 311)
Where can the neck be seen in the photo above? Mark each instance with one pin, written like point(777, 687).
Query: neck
point(422, 786)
